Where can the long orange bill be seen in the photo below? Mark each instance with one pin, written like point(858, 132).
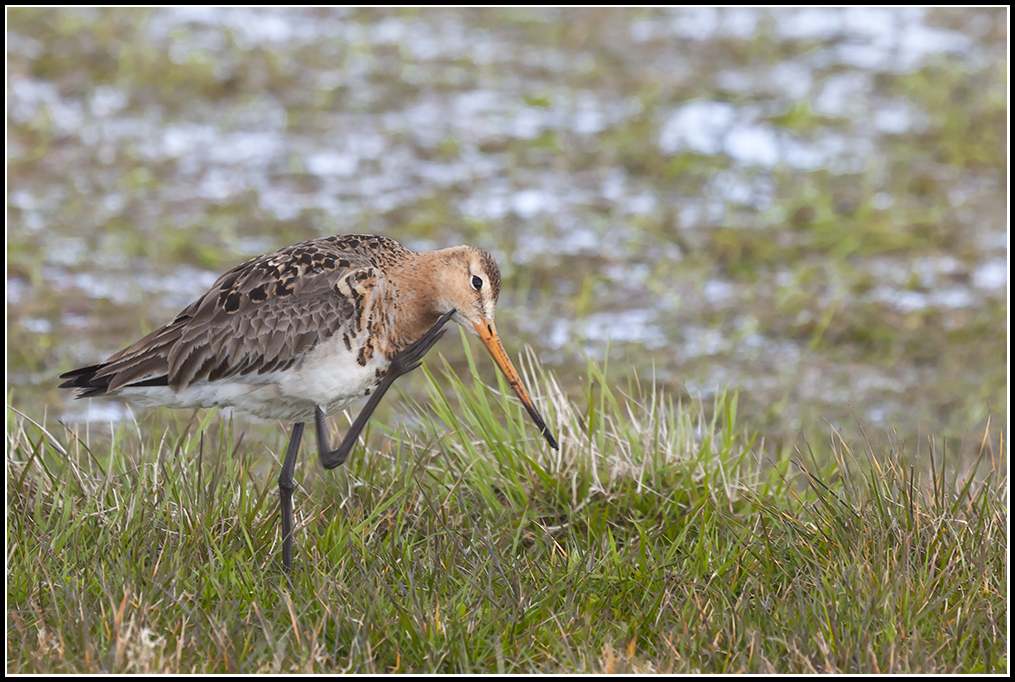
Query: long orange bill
point(488, 335)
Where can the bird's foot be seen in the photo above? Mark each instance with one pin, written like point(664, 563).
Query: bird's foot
point(403, 363)
point(412, 357)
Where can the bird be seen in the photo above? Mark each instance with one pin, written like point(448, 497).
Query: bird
point(304, 332)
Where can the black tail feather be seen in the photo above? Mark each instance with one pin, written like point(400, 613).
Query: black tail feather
point(87, 379)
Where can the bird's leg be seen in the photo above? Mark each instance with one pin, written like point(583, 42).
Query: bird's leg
point(403, 363)
point(286, 485)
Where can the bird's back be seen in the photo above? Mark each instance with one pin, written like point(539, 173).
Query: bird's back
point(257, 325)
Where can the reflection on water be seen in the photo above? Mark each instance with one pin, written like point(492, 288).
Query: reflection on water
point(787, 201)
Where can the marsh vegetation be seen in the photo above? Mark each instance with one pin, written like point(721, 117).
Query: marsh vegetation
point(760, 259)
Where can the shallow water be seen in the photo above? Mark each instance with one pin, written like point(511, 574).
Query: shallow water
point(807, 205)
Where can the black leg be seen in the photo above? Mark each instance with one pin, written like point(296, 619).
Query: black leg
point(403, 363)
point(286, 485)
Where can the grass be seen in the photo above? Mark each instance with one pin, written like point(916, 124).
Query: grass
point(656, 540)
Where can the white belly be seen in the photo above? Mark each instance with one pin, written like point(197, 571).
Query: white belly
point(329, 377)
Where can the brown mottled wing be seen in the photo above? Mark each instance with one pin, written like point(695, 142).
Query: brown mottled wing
point(261, 316)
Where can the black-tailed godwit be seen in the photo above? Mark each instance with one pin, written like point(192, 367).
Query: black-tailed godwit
point(304, 332)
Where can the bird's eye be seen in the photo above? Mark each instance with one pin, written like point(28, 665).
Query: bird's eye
point(477, 282)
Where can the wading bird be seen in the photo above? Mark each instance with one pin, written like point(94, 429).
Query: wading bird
point(305, 331)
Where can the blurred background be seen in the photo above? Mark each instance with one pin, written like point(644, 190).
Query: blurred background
point(806, 205)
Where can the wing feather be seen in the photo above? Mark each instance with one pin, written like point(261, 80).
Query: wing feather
point(261, 316)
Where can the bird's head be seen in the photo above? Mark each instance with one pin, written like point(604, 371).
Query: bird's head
point(468, 280)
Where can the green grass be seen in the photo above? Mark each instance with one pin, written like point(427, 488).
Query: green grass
point(656, 540)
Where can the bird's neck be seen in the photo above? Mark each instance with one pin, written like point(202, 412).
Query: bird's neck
point(418, 303)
